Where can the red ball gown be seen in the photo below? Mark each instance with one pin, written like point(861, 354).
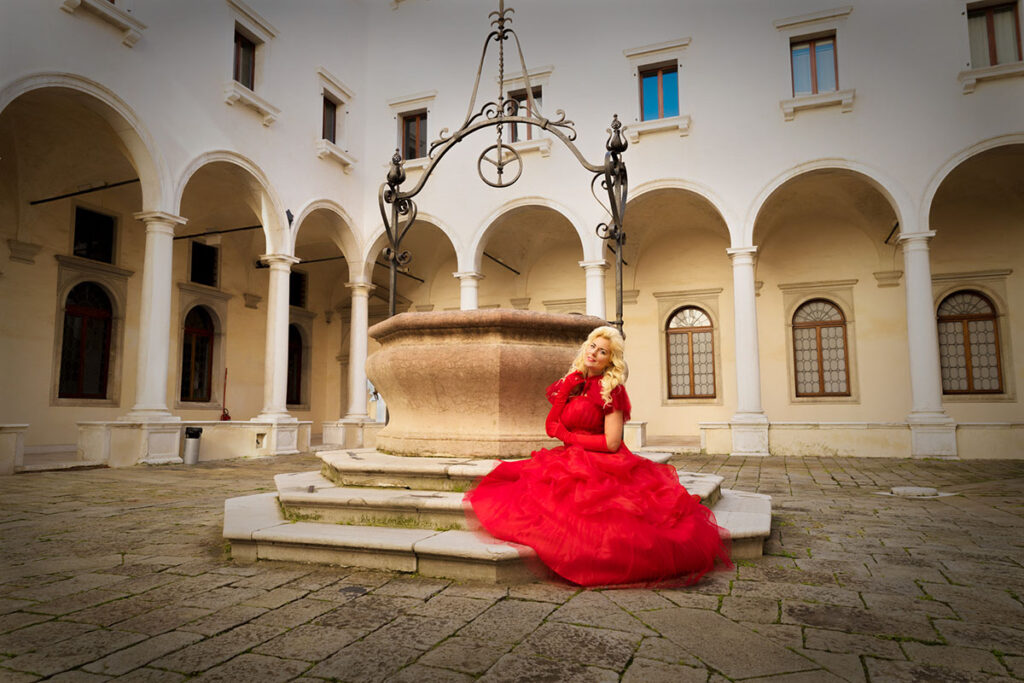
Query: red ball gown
point(599, 518)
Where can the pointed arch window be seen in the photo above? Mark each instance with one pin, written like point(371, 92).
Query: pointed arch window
point(197, 356)
point(294, 393)
point(85, 349)
point(691, 360)
point(969, 345)
point(820, 352)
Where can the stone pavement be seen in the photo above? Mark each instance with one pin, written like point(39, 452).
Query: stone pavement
point(122, 574)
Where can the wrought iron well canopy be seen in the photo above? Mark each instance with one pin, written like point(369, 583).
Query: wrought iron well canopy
point(500, 164)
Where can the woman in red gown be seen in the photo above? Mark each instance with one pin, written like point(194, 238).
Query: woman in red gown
point(596, 513)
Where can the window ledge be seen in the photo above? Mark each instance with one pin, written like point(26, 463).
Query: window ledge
point(111, 14)
point(202, 290)
point(95, 268)
point(969, 78)
point(672, 123)
point(325, 149)
point(542, 145)
point(841, 98)
point(417, 164)
point(236, 92)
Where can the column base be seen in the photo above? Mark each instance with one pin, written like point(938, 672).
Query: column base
point(124, 443)
point(932, 435)
point(749, 435)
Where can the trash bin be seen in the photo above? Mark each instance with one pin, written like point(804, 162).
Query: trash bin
point(192, 435)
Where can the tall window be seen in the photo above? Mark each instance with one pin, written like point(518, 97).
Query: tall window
point(659, 92)
point(814, 65)
point(819, 350)
point(245, 60)
point(203, 266)
point(197, 356)
point(414, 135)
point(94, 235)
point(994, 32)
point(691, 358)
point(298, 284)
point(969, 345)
point(294, 393)
point(521, 131)
point(85, 349)
point(330, 123)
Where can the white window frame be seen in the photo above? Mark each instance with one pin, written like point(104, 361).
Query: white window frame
point(332, 88)
point(539, 78)
point(639, 58)
point(261, 32)
point(840, 293)
point(117, 14)
point(991, 283)
point(190, 295)
point(707, 300)
point(806, 26)
point(411, 104)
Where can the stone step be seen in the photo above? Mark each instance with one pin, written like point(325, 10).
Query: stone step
point(309, 496)
point(257, 530)
point(370, 468)
point(748, 517)
point(367, 467)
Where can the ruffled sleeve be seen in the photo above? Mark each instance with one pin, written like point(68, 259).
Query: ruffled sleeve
point(620, 401)
point(559, 386)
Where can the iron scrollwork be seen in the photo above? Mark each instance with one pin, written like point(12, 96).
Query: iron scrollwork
point(496, 163)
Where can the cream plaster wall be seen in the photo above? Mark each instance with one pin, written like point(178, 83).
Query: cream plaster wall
point(733, 175)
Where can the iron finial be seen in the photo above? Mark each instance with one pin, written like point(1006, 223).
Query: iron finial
point(616, 143)
point(396, 174)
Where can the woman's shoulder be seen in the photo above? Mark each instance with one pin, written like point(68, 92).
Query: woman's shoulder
point(619, 401)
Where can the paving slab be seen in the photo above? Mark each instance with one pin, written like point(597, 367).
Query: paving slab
point(835, 545)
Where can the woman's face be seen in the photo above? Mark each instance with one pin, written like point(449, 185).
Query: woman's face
point(597, 356)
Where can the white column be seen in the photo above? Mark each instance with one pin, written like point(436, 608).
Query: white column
point(933, 432)
point(275, 359)
point(469, 284)
point(749, 424)
point(357, 351)
point(595, 287)
point(155, 319)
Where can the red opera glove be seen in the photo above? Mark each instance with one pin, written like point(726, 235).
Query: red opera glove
point(589, 442)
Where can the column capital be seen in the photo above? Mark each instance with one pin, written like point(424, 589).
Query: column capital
point(742, 255)
point(468, 275)
point(916, 239)
point(361, 288)
point(599, 264)
point(279, 260)
point(160, 220)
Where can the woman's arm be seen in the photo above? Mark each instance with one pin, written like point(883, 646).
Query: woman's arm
point(608, 442)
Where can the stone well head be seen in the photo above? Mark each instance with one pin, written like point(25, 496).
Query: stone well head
point(471, 383)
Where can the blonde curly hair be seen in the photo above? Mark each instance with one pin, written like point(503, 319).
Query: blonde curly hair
point(616, 372)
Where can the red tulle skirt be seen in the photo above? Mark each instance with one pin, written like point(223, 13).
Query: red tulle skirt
point(601, 518)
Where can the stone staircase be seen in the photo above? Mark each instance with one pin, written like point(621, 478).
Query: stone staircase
point(368, 509)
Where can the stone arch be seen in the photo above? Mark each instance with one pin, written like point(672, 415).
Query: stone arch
point(379, 240)
point(954, 162)
point(887, 187)
point(702, 191)
point(474, 254)
point(271, 212)
point(347, 242)
point(139, 145)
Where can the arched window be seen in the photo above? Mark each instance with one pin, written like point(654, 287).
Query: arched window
point(85, 349)
point(969, 345)
point(691, 358)
point(294, 395)
point(197, 356)
point(819, 350)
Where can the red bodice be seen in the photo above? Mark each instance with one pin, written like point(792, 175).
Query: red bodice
point(586, 412)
